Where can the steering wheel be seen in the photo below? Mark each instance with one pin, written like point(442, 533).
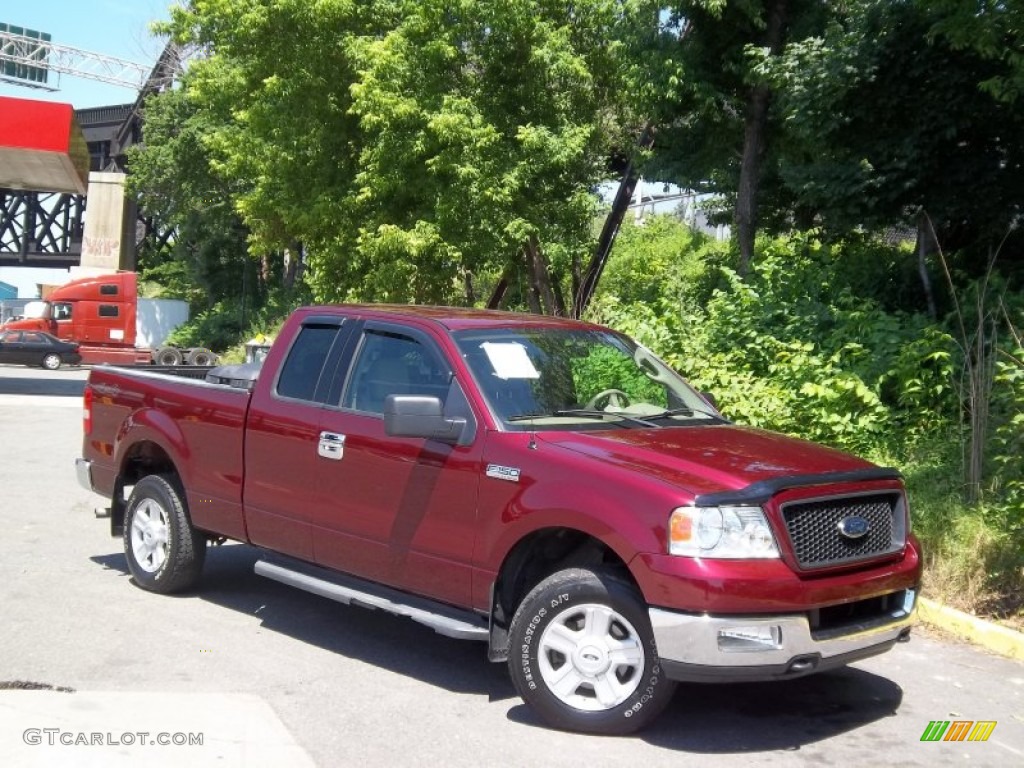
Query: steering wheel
point(615, 398)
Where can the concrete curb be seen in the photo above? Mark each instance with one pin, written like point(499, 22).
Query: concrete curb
point(994, 637)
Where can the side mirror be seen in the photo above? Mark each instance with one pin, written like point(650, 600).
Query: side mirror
point(420, 416)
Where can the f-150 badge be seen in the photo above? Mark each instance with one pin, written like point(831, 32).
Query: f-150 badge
point(499, 472)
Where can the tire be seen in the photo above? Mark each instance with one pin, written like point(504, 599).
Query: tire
point(165, 553)
point(167, 356)
point(51, 361)
point(582, 654)
point(201, 356)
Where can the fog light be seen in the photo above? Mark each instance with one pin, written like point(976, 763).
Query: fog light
point(761, 637)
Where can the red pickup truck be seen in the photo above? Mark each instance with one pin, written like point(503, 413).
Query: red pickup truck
point(546, 486)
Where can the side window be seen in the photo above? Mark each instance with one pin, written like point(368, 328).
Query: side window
point(108, 310)
point(302, 368)
point(62, 311)
point(394, 364)
point(108, 289)
point(34, 338)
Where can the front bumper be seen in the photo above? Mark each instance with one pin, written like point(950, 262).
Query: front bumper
point(706, 648)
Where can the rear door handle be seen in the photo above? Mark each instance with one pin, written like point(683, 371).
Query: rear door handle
point(331, 446)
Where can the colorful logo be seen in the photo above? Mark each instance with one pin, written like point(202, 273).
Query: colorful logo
point(958, 730)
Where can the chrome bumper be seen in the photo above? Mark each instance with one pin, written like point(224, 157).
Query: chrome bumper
point(83, 468)
point(707, 648)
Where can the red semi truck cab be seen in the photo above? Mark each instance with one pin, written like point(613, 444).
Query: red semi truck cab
point(106, 316)
point(546, 486)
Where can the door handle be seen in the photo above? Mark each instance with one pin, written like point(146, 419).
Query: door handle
point(331, 446)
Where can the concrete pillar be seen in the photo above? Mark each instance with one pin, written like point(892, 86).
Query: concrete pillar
point(106, 245)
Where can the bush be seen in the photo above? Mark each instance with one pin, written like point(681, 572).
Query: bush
point(800, 347)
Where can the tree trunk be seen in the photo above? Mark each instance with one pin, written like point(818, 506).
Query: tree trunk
point(542, 296)
point(925, 244)
point(498, 294)
point(292, 265)
point(754, 143)
point(532, 289)
point(623, 197)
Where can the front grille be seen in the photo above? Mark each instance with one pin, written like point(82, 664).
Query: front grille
point(814, 529)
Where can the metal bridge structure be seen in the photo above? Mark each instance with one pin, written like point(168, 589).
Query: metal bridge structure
point(42, 210)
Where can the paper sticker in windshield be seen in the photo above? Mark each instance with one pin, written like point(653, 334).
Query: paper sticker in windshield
point(509, 360)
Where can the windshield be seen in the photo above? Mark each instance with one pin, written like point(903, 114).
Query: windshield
point(568, 378)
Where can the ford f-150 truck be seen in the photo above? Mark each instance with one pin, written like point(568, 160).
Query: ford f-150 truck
point(546, 486)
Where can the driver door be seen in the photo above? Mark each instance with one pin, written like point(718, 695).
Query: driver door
point(404, 509)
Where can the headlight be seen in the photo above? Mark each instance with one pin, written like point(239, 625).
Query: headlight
point(721, 532)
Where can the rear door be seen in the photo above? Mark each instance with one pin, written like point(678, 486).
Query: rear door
point(402, 510)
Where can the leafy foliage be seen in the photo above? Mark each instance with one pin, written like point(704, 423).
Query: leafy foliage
point(885, 118)
point(790, 349)
point(410, 146)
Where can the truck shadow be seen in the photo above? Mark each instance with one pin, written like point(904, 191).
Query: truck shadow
point(737, 718)
point(393, 643)
point(742, 718)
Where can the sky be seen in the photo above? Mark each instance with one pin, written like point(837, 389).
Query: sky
point(111, 27)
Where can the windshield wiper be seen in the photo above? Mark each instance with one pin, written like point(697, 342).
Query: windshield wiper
point(583, 412)
point(606, 414)
point(527, 416)
point(683, 411)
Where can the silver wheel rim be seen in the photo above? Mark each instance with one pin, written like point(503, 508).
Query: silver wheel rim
point(591, 658)
point(149, 536)
point(51, 362)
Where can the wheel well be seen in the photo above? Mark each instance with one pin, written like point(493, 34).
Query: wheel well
point(144, 458)
point(532, 560)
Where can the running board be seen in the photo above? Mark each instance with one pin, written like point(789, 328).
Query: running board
point(368, 595)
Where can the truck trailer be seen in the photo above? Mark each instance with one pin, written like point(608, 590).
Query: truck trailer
point(111, 323)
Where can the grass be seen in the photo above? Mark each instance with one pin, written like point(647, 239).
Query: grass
point(973, 555)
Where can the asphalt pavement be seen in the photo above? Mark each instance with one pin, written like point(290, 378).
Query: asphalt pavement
point(244, 671)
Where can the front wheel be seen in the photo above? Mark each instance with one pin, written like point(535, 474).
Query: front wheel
point(582, 654)
point(165, 553)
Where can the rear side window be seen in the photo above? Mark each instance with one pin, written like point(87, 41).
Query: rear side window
point(108, 310)
point(108, 289)
point(305, 362)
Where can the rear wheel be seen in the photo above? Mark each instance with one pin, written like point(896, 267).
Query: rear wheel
point(167, 356)
point(51, 362)
point(165, 553)
point(582, 654)
point(201, 356)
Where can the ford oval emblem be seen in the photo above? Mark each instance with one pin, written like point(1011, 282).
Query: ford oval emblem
point(854, 527)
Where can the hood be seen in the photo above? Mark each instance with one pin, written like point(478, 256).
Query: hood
point(707, 459)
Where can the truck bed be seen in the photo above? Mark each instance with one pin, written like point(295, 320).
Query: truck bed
point(163, 413)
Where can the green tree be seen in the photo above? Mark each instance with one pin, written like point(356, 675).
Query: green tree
point(413, 148)
point(205, 258)
point(994, 29)
point(888, 121)
point(701, 80)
